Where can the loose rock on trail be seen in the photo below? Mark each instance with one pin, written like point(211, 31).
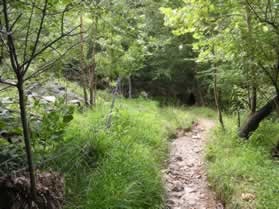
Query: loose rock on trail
point(186, 178)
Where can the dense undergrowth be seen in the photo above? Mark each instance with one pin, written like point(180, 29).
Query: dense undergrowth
point(118, 168)
point(243, 172)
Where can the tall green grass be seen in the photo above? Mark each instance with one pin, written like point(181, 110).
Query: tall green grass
point(120, 167)
point(238, 167)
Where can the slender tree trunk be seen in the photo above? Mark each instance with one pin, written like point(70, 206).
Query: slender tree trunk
point(251, 67)
point(95, 86)
point(217, 99)
point(130, 86)
point(82, 66)
point(26, 136)
point(92, 73)
point(92, 84)
point(114, 95)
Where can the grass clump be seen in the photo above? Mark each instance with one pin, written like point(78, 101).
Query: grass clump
point(237, 167)
point(120, 167)
point(174, 118)
point(183, 117)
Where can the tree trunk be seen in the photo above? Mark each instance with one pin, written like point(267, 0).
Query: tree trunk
point(253, 99)
point(82, 68)
point(92, 68)
point(130, 86)
point(217, 102)
point(114, 95)
point(26, 136)
point(253, 122)
point(92, 84)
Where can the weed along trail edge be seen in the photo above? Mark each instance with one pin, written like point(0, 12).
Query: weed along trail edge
point(186, 178)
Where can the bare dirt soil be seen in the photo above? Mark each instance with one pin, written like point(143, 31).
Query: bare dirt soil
point(186, 178)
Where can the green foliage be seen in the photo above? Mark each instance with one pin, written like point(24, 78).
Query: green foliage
point(237, 167)
point(119, 168)
point(11, 158)
point(234, 37)
point(48, 132)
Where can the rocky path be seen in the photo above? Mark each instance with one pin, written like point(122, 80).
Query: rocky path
point(185, 177)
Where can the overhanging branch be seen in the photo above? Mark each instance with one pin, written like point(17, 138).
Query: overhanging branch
point(46, 67)
point(28, 62)
point(7, 82)
point(37, 37)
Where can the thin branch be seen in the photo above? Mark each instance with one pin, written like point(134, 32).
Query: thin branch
point(5, 88)
point(263, 20)
point(46, 67)
point(28, 31)
point(63, 16)
point(48, 46)
point(7, 82)
point(73, 6)
point(14, 23)
point(55, 50)
point(38, 36)
point(4, 43)
point(12, 50)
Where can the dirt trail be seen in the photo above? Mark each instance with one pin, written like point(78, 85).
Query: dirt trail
point(185, 177)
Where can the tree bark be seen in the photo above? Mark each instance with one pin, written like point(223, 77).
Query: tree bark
point(26, 136)
point(254, 120)
point(82, 68)
point(114, 95)
point(217, 101)
point(92, 68)
point(92, 84)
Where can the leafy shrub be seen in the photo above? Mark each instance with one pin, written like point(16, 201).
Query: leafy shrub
point(12, 158)
point(48, 132)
